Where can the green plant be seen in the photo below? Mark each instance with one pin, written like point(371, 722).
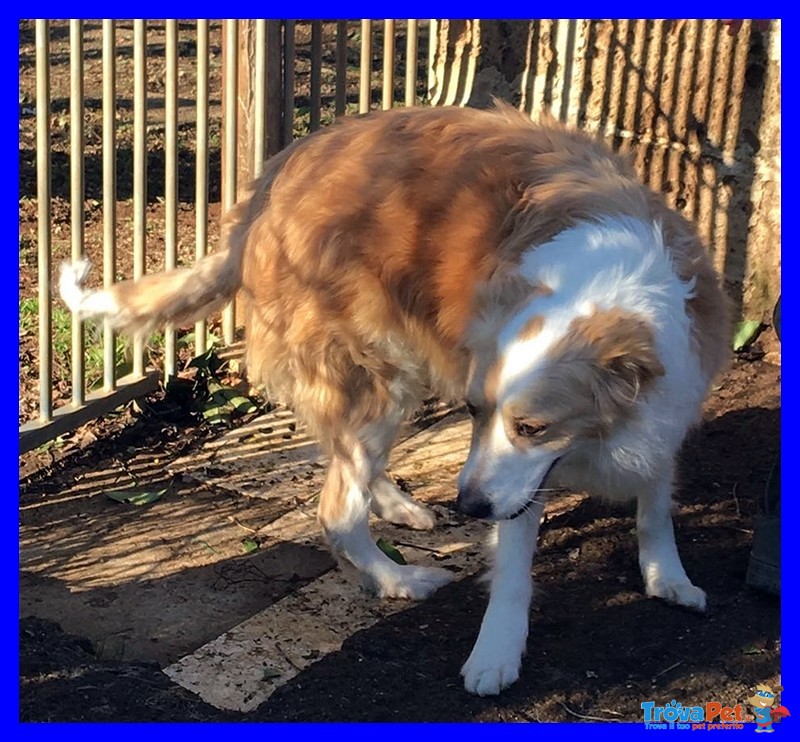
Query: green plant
point(60, 322)
point(199, 387)
point(61, 334)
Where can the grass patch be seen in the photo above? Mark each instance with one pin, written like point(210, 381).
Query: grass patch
point(61, 334)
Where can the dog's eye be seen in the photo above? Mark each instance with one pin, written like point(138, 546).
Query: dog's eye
point(472, 409)
point(526, 429)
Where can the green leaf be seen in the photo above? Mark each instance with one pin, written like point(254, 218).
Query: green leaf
point(136, 497)
point(222, 401)
point(776, 318)
point(390, 551)
point(209, 362)
point(216, 416)
point(243, 405)
point(249, 545)
point(190, 337)
point(746, 332)
point(240, 403)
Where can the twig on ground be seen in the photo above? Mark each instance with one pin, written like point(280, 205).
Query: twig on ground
point(586, 717)
point(667, 669)
point(242, 525)
point(736, 500)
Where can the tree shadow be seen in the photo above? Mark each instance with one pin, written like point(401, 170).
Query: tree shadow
point(689, 114)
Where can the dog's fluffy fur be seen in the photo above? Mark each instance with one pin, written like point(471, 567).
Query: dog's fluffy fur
point(473, 253)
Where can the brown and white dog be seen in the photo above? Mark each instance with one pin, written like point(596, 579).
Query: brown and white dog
point(521, 267)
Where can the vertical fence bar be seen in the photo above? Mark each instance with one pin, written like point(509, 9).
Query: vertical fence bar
point(260, 112)
point(76, 192)
point(316, 74)
point(43, 202)
point(341, 67)
point(109, 192)
point(388, 64)
point(365, 87)
point(201, 168)
point(433, 40)
point(171, 177)
point(273, 82)
point(411, 62)
point(139, 169)
point(288, 82)
point(229, 176)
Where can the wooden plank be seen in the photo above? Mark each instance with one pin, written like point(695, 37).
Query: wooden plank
point(242, 668)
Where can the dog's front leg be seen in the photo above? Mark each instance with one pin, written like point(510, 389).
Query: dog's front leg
point(497, 655)
point(661, 566)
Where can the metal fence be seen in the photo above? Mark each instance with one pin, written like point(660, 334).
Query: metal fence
point(275, 79)
point(137, 136)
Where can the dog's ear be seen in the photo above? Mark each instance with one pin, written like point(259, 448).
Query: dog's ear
point(626, 361)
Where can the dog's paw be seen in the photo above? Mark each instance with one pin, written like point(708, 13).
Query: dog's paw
point(679, 592)
point(417, 517)
point(408, 514)
point(487, 674)
point(394, 506)
point(408, 582)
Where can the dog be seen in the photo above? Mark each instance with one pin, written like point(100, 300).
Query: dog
point(520, 267)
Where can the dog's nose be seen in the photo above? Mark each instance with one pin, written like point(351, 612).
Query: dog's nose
point(474, 503)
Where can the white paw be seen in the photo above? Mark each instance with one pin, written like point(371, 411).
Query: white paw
point(407, 514)
point(680, 592)
point(416, 517)
point(490, 669)
point(407, 581)
point(393, 505)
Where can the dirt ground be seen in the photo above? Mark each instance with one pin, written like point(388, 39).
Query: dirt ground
point(94, 637)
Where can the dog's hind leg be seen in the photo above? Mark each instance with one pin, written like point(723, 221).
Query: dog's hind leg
point(392, 504)
point(387, 500)
point(663, 572)
point(344, 516)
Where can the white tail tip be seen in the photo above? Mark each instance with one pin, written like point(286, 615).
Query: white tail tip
point(84, 303)
point(70, 283)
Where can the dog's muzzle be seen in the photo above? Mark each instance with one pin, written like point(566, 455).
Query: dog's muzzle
point(476, 504)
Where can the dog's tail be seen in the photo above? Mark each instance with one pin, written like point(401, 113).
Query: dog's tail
point(182, 295)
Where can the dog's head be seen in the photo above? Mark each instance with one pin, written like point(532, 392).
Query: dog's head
point(556, 381)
